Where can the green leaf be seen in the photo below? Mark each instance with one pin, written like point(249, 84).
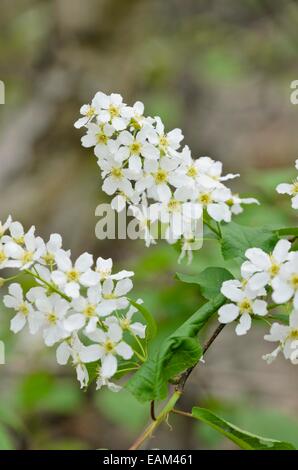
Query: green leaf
point(151, 328)
point(244, 440)
point(210, 280)
point(238, 238)
point(288, 231)
point(177, 353)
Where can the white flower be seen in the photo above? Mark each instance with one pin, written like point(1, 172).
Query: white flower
point(98, 136)
point(17, 233)
point(24, 256)
point(285, 285)
point(111, 109)
point(114, 295)
point(137, 146)
point(53, 309)
point(116, 177)
point(147, 216)
point(287, 336)
point(245, 304)
point(24, 309)
point(88, 112)
point(166, 142)
point(126, 324)
point(215, 202)
point(236, 201)
point(51, 248)
point(71, 348)
point(104, 269)
point(264, 267)
point(157, 178)
point(86, 311)
point(4, 227)
point(291, 189)
point(105, 382)
point(109, 346)
point(70, 277)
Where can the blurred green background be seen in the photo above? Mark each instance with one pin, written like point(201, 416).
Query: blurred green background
point(219, 70)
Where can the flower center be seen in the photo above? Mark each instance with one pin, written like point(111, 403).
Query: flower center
point(27, 257)
point(52, 318)
point(109, 296)
point(90, 113)
point(3, 257)
point(125, 323)
point(117, 173)
point(19, 241)
point(295, 187)
point(173, 205)
point(274, 269)
point(245, 305)
point(114, 111)
point(293, 335)
point(294, 281)
point(109, 346)
point(23, 308)
point(192, 171)
point(89, 310)
point(73, 275)
point(135, 148)
point(163, 141)
point(161, 176)
point(205, 198)
point(49, 259)
point(101, 138)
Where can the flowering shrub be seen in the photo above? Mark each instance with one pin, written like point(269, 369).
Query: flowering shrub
point(82, 308)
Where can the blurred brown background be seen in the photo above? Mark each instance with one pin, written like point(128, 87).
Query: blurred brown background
point(219, 70)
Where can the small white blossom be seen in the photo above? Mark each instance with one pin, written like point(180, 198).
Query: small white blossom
point(245, 303)
point(109, 345)
point(70, 276)
point(287, 337)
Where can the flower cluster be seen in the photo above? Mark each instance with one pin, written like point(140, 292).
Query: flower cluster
point(264, 274)
point(290, 189)
point(80, 308)
point(146, 168)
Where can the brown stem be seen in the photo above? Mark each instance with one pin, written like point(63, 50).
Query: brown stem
point(186, 374)
point(152, 411)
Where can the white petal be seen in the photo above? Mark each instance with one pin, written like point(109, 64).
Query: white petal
point(228, 313)
point(17, 323)
point(84, 262)
point(91, 353)
point(124, 350)
point(109, 366)
point(244, 324)
point(74, 322)
point(123, 286)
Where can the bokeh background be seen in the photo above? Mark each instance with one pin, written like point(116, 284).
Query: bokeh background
point(220, 70)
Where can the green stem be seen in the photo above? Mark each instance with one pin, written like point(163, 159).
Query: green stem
point(213, 229)
point(52, 287)
point(169, 406)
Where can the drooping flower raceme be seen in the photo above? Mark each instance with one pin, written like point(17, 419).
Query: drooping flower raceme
point(144, 166)
point(71, 304)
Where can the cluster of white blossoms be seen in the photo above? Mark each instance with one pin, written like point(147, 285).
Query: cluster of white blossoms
point(78, 307)
point(145, 167)
point(290, 189)
point(264, 275)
